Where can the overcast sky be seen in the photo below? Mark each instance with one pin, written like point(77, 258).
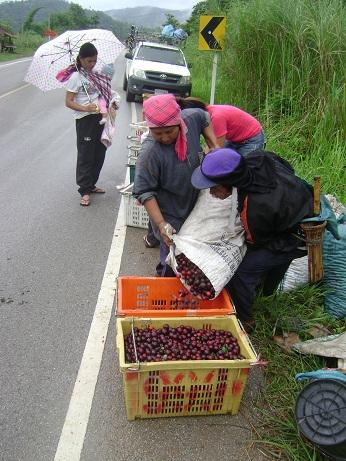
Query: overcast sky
point(117, 4)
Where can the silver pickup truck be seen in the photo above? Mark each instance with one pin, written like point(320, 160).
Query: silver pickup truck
point(156, 68)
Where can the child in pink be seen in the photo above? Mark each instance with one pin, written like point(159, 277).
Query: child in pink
point(108, 70)
point(101, 102)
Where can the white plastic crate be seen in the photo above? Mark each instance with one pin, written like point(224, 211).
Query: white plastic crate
point(136, 131)
point(135, 214)
point(134, 144)
point(133, 154)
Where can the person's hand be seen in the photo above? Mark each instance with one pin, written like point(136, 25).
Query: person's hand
point(91, 107)
point(166, 231)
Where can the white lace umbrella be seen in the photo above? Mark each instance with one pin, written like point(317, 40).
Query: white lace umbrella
point(59, 53)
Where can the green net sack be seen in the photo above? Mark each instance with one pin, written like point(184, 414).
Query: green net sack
point(334, 262)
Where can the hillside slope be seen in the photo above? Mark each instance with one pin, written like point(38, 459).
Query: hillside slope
point(148, 16)
point(15, 14)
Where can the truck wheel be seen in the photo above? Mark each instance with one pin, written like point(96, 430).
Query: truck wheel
point(130, 97)
point(125, 83)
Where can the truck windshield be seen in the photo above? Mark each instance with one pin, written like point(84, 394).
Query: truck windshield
point(151, 53)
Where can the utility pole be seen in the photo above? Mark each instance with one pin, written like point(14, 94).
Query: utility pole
point(49, 25)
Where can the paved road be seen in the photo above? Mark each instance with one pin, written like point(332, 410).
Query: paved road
point(53, 255)
point(55, 260)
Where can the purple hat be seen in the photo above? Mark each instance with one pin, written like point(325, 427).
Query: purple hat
point(217, 164)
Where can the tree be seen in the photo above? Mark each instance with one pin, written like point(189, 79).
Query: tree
point(28, 23)
point(94, 19)
point(170, 19)
point(74, 18)
point(78, 17)
point(7, 26)
point(59, 21)
point(198, 10)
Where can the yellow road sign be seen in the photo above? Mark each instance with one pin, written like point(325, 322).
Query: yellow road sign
point(211, 33)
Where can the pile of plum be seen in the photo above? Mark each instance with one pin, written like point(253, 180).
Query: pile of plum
point(199, 285)
point(180, 343)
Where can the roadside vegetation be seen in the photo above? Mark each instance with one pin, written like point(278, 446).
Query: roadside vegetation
point(32, 29)
point(284, 61)
point(26, 43)
point(33, 33)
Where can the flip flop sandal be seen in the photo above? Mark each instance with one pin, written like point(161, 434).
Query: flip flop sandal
point(98, 190)
point(84, 202)
point(148, 244)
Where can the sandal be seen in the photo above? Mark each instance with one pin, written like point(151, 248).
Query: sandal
point(148, 244)
point(85, 200)
point(97, 190)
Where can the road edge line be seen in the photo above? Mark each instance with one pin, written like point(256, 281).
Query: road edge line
point(72, 436)
point(14, 91)
point(73, 432)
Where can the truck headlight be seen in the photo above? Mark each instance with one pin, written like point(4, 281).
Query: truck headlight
point(185, 80)
point(139, 73)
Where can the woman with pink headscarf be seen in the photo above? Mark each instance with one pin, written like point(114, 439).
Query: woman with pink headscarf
point(165, 164)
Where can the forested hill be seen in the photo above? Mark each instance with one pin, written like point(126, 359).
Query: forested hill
point(148, 16)
point(15, 13)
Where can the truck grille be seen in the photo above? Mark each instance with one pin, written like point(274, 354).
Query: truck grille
point(159, 77)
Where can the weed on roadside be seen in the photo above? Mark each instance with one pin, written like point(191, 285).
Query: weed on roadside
point(295, 311)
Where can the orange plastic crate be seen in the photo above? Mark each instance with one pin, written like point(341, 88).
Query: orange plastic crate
point(159, 297)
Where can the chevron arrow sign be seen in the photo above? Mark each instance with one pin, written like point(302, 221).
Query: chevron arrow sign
point(211, 33)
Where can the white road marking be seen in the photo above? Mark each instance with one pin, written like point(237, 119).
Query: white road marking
point(14, 91)
point(12, 63)
point(133, 112)
point(74, 429)
point(73, 432)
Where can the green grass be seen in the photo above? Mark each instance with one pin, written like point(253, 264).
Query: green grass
point(284, 61)
point(298, 310)
point(26, 45)
point(4, 57)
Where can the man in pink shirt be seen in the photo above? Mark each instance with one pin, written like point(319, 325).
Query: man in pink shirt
point(233, 127)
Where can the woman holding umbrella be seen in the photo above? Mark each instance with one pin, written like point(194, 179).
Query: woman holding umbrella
point(84, 87)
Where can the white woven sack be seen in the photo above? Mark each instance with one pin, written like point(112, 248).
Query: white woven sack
point(212, 237)
point(296, 275)
point(298, 272)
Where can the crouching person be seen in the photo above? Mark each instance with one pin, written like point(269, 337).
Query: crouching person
point(272, 201)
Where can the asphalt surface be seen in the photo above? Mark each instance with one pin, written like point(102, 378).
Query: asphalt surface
point(53, 255)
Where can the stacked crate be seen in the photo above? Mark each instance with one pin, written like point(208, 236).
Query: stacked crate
point(135, 214)
point(181, 387)
point(137, 130)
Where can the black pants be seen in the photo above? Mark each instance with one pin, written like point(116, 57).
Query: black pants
point(91, 152)
point(260, 267)
point(163, 269)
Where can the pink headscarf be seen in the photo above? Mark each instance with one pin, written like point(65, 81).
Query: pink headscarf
point(163, 110)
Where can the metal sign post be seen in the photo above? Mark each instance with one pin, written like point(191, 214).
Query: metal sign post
point(213, 79)
point(212, 37)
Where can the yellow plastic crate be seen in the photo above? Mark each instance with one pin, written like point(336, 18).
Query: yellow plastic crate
point(184, 388)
